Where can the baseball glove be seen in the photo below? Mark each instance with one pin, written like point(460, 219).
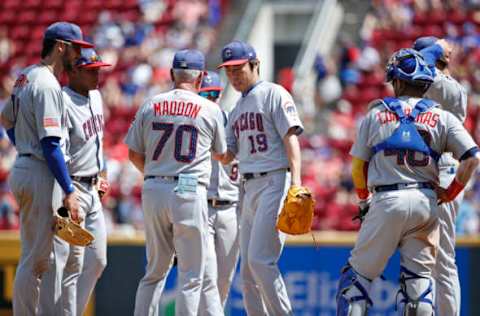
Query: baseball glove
point(70, 231)
point(297, 213)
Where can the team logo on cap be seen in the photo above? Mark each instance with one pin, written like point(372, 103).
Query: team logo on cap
point(227, 53)
point(183, 64)
point(94, 58)
point(208, 79)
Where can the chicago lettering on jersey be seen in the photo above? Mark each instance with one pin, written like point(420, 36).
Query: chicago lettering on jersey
point(248, 121)
point(178, 108)
point(21, 81)
point(427, 118)
point(93, 126)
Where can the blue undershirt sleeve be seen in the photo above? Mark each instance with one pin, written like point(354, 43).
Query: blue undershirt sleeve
point(56, 162)
point(11, 135)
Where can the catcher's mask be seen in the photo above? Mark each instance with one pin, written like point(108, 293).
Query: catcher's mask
point(409, 65)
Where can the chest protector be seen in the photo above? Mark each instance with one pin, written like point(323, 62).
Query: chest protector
point(406, 135)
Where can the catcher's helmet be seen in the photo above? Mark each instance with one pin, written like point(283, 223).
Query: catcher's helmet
point(409, 65)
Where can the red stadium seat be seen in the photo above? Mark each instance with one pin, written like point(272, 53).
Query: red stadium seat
point(27, 17)
point(47, 17)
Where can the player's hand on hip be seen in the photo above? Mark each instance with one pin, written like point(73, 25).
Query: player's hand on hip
point(102, 186)
point(71, 203)
point(442, 195)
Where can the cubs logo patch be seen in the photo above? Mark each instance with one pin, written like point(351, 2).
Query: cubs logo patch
point(227, 53)
point(290, 108)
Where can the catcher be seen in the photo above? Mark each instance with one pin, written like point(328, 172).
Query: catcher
point(399, 143)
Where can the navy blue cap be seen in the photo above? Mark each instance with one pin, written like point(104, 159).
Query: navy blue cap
point(211, 81)
point(237, 53)
point(67, 32)
point(90, 59)
point(423, 42)
point(189, 59)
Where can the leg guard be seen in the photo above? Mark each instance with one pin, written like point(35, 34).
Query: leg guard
point(352, 293)
point(416, 294)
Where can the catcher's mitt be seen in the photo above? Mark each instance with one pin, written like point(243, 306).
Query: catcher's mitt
point(297, 213)
point(70, 231)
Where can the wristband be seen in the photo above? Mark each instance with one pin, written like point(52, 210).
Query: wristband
point(454, 189)
point(362, 193)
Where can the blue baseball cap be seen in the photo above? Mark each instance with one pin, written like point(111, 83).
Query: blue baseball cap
point(189, 59)
point(237, 53)
point(423, 42)
point(68, 32)
point(211, 82)
point(90, 59)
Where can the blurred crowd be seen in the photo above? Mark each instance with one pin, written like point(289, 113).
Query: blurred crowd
point(140, 45)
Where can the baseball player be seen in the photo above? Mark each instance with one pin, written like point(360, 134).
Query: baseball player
point(170, 141)
point(262, 134)
point(399, 142)
point(223, 223)
point(85, 126)
point(36, 119)
point(452, 97)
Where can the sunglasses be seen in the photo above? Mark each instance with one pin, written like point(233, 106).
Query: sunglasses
point(212, 94)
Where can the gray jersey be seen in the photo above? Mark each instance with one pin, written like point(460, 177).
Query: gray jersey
point(441, 130)
point(85, 127)
point(450, 94)
point(224, 182)
point(257, 125)
point(36, 109)
point(452, 97)
point(176, 131)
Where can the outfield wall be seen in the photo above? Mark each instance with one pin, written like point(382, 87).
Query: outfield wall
point(310, 272)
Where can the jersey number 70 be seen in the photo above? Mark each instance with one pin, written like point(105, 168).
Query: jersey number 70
point(168, 129)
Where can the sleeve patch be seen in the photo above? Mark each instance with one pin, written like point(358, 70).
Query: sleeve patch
point(50, 122)
point(290, 108)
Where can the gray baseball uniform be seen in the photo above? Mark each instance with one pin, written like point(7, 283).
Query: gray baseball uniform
point(452, 97)
point(257, 126)
point(175, 131)
point(78, 268)
point(37, 110)
point(223, 237)
point(405, 218)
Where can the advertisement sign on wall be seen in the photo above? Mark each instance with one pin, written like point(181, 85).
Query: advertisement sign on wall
point(311, 276)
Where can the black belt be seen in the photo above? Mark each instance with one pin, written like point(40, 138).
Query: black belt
point(161, 177)
point(24, 155)
point(404, 186)
point(89, 180)
point(250, 175)
point(215, 202)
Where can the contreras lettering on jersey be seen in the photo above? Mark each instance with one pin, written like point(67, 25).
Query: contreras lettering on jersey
point(248, 121)
point(179, 108)
point(93, 126)
point(428, 118)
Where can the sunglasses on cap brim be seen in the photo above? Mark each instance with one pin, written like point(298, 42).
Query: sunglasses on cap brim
point(212, 94)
